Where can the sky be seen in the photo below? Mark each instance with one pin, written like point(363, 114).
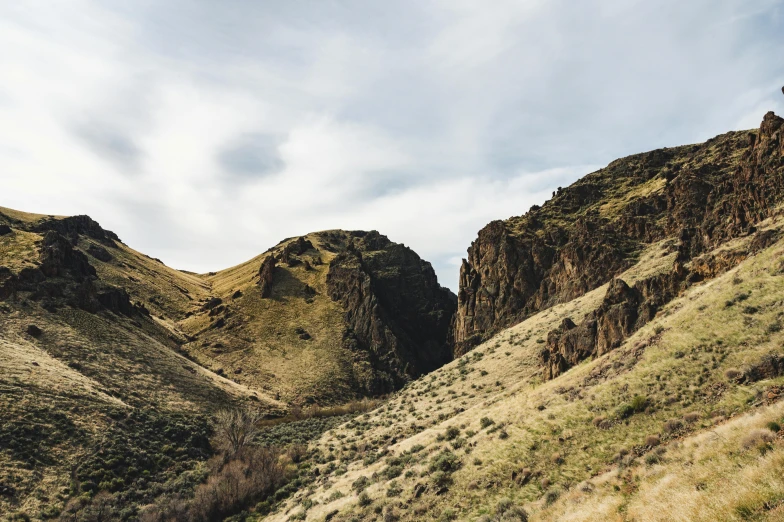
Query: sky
point(204, 132)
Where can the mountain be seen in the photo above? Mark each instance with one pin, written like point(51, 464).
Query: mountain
point(105, 351)
point(622, 360)
point(615, 354)
point(697, 197)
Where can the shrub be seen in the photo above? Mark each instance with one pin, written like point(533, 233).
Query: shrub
point(639, 403)
point(759, 439)
point(503, 506)
point(551, 496)
point(364, 499)
point(394, 489)
point(452, 432)
point(360, 484)
point(484, 422)
point(601, 422)
point(652, 458)
point(691, 417)
point(441, 479)
point(732, 374)
point(625, 411)
point(236, 427)
point(514, 514)
point(672, 425)
point(248, 478)
point(774, 426)
point(652, 440)
point(446, 461)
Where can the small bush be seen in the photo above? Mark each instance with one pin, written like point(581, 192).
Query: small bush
point(364, 499)
point(360, 484)
point(691, 417)
point(446, 461)
point(652, 458)
point(452, 432)
point(760, 439)
point(394, 490)
point(672, 425)
point(652, 440)
point(639, 403)
point(732, 374)
point(551, 496)
point(774, 426)
point(625, 411)
point(485, 422)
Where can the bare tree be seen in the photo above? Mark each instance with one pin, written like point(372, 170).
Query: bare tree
point(237, 427)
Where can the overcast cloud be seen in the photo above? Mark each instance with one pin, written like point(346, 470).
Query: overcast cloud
point(203, 132)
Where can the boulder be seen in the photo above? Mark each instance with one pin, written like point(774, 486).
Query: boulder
point(5, 229)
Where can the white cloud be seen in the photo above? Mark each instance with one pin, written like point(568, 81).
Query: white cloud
point(424, 120)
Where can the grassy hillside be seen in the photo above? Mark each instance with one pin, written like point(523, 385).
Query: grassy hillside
point(658, 429)
point(261, 343)
point(113, 365)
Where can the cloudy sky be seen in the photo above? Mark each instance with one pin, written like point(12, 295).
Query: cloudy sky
point(203, 132)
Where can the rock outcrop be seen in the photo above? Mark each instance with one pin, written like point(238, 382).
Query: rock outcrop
point(295, 248)
point(65, 277)
point(74, 226)
point(266, 273)
point(397, 315)
point(699, 195)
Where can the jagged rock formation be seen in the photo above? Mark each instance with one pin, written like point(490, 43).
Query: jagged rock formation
point(294, 249)
point(397, 314)
point(701, 195)
point(74, 226)
point(64, 275)
point(266, 273)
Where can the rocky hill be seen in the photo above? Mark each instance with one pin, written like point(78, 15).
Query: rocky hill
point(615, 354)
point(106, 351)
point(629, 363)
point(697, 197)
point(324, 318)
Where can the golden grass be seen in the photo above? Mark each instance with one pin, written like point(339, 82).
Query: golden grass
point(18, 250)
point(261, 340)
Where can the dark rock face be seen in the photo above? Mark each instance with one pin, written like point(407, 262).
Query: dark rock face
point(295, 248)
point(700, 195)
point(66, 277)
point(266, 272)
point(624, 309)
point(74, 226)
point(99, 253)
point(397, 315)
point(59, 258)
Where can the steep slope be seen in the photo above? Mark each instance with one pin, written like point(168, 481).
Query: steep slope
point(698, 196)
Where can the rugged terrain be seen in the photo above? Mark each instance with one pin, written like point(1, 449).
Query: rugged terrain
point(617, 356)
point(93, 333)
point(640, 378)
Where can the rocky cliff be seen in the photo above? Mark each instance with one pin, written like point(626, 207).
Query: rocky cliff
point(395, 310)
point(698, 195)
